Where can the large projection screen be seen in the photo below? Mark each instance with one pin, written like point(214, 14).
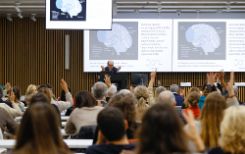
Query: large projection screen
point(168, 45)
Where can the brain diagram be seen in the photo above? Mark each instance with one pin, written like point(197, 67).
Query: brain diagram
point(72, 7)
point(203, 36)
point(118, 38)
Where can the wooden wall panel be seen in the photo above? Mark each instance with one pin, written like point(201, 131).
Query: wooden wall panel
point(31, 54)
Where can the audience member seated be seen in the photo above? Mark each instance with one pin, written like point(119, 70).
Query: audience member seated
point(7, 122)
point(7, 106)
point(112, 129)
point(125, 101)
point(174, 88)
point(142, 96)
point(112, 90)
point(192, 89)
point(11, 111)
point(84, 114)
point(158, 90)
point(232, 132)
point(42, 98)
point(14, 98)
point(30, 91)
point(167, 97)
point(161, 132)
point(63, 98)
point(7, 88)
point(99, 91)
point(61, 105)
point(211, 117)
point(39, 132)
point(4, 100)
point(192, 103)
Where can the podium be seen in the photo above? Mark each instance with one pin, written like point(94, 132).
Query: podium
point(119, 79)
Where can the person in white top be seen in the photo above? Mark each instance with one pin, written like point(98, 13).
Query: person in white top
point(14, 98)
point(85, 113)
point(61, 105)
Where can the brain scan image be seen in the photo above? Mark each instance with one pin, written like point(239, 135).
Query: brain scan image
point(118, 38)
point(203, 36)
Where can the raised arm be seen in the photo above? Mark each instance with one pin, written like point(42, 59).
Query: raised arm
point(107, 80)
point(231, 98)
point(63, 105)
point(102, 68)
point(150, 88)
point(192, 132)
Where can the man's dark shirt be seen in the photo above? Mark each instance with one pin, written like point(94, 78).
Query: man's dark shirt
point(111, 72)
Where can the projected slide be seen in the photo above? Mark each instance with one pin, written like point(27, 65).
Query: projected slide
point(78, 14)
point(168, 45)
point(68, 10)
point(208, 45)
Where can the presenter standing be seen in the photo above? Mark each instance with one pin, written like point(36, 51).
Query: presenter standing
point(110, 69)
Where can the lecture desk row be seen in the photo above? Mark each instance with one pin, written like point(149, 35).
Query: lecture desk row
point(71, 143)
point(63, 120)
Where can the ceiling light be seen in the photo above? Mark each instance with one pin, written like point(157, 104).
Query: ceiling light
point(33, 17)
point(9, 18)
point(17, 7)
point(20, 15)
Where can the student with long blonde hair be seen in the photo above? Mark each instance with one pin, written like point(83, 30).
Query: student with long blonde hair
point(211, 117)
point(232, 139)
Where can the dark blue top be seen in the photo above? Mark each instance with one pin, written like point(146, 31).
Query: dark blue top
point(111, 72)
point(217, 151)
point(179, 99)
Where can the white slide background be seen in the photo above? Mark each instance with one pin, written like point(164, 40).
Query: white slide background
point(162, 44)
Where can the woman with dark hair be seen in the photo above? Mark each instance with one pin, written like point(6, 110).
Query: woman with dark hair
point(84, 114)
point(14, 97)
point(161, 132)
point(39, 132)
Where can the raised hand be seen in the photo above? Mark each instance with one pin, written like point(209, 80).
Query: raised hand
point(118, 68)
point(191, 132)
point(102, 68)
point(153, 75)
point(229, 86)
point(107, 80)
point(211, 78)
point(64, 85)
point(8, 86)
